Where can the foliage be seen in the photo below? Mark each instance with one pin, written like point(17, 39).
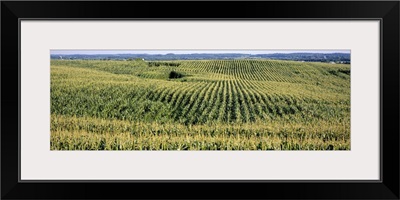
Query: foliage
point(174, 74)
point(219, 105)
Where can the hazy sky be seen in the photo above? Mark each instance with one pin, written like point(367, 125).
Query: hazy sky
point(190, 51)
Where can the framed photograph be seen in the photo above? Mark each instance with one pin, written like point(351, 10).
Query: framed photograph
point(260, 97)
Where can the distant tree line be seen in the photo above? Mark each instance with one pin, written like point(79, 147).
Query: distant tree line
point(157, 64)
point(308, 57)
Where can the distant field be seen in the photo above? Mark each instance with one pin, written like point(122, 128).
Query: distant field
point(199, 105)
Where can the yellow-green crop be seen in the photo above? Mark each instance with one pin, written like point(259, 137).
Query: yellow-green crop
point(210, 105)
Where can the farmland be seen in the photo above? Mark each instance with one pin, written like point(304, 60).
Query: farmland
point(199, 105)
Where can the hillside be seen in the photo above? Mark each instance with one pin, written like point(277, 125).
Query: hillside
point(215, 104)
point(314, 57)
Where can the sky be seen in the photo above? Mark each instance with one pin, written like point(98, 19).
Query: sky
point(91, 52)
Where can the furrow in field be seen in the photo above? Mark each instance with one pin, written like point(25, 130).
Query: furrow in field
point(207, 102)
point(234, 107)
point(177, 106)
point(187, 93)
point(262, 75)
point(209, 113)
point(248, 106)
point(192, 103)
point(200, 104)
point(219, 112)
point(255, 100)
point(242, 106)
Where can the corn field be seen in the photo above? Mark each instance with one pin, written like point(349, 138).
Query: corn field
point(214, 105)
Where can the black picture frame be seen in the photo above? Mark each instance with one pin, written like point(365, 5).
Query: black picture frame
point(386, 11)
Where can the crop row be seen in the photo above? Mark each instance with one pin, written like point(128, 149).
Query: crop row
point(239, 100)
point(216, 105)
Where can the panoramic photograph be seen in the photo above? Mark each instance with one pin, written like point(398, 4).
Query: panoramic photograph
point(200, 100)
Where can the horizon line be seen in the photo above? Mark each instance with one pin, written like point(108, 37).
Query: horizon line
point(188, 52)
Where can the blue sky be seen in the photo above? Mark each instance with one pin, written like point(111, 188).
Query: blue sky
point(191, 51)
